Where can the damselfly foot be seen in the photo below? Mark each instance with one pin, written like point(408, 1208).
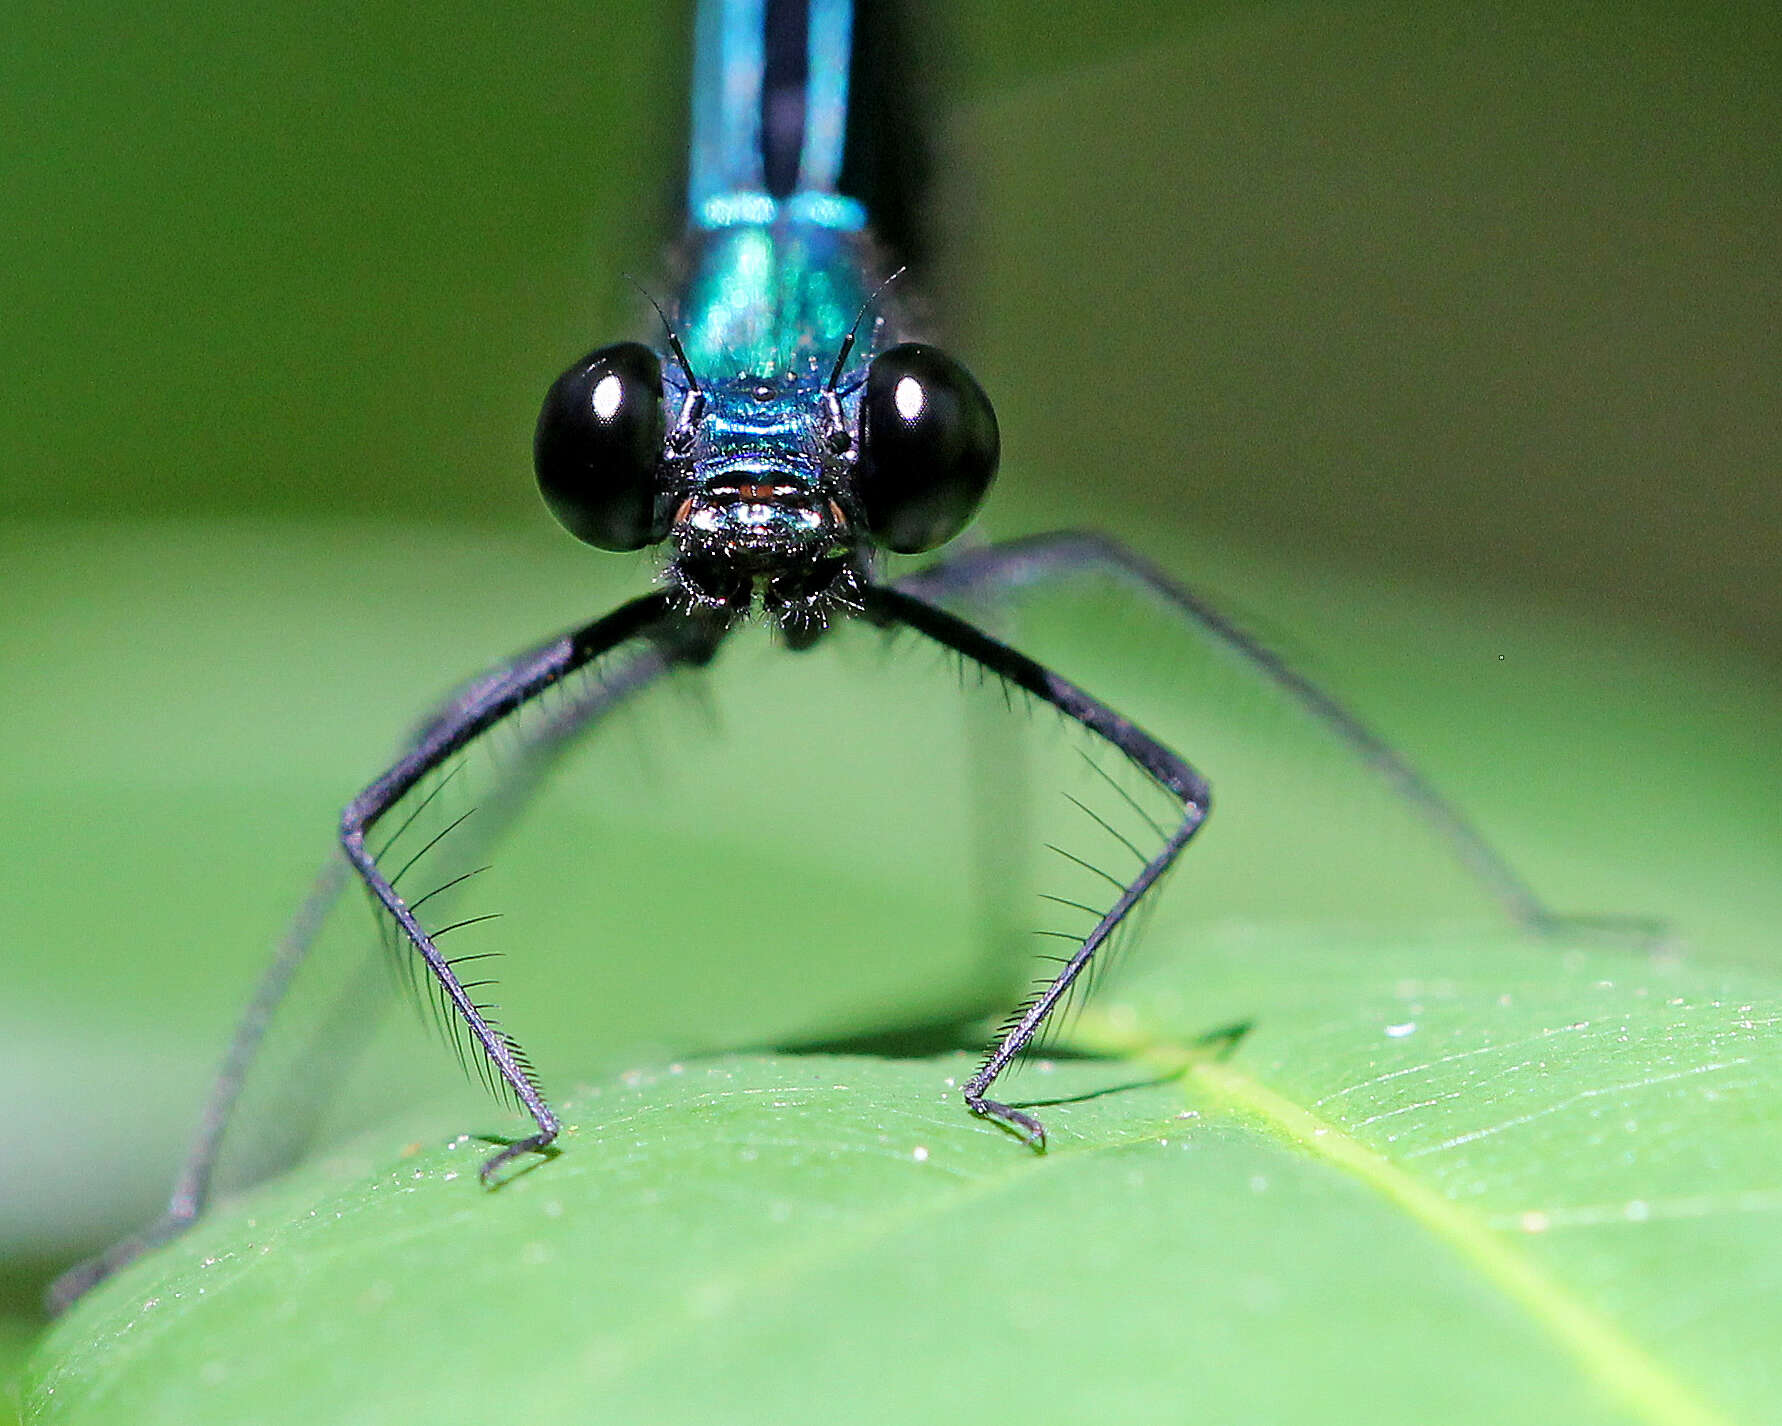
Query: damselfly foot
point(1023, 1126)
point(542, 1144)
point(83, 1277)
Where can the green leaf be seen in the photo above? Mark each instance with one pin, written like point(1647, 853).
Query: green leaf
point(1458, 1180)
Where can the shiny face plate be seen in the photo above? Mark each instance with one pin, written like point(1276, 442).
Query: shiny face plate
point(762, 506)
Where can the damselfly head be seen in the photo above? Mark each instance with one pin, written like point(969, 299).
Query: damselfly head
point(767, 485)
point(763, 506)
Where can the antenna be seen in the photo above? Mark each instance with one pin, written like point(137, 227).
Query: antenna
point(841, 357)
point(674, 341)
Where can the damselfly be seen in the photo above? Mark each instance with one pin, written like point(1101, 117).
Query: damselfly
point(784, 435)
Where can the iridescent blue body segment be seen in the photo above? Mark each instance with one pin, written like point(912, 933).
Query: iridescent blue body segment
point(776, 261)
point(772, 300)
point(770, 111)
point(773, 277)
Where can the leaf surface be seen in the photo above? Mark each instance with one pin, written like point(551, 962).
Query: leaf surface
point(1485, 1182)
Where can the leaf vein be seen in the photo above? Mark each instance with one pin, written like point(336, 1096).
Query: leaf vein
point(1625, 1369)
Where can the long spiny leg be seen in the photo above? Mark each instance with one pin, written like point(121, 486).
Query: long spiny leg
point(887, 606)
point(191, 1190)
point(193, 1187)
point(485, 705)
point(1046, 558)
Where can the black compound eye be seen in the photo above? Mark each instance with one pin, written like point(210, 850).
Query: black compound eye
point(928, 448)
point(598, 446)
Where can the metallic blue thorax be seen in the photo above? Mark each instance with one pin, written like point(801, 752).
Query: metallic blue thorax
point(773, 282)
point(772, 300)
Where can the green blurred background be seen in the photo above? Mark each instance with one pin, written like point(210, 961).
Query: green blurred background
point(1413, 325)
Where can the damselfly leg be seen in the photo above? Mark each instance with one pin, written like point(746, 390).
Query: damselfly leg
point(888, 606)
point(1070, 555)
point(541, 742)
